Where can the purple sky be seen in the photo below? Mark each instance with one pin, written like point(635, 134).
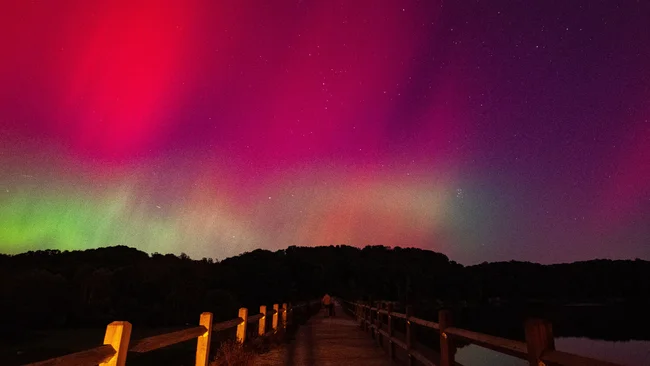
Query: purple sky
point(487, 130)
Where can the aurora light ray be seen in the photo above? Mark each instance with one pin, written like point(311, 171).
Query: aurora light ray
point(214, 128)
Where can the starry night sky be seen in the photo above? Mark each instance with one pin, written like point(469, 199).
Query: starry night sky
point(486, 130)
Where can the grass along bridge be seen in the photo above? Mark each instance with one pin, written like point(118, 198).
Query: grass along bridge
point(118, 345)
point(360, 334)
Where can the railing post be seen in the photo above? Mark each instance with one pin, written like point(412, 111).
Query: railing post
point(389, 320)
point(241, 328)
point(377, 319)
point(284, 316)
point(539, 338)
point(366, 317)
point(361, 317)
point(371, 321)
point(378, 323)
point(446, 344)
point(262, 322)
point(276, 307)
point(409, 335)
point(117, 335)
point(356, 313)
point(360, 314)
point(203, 342)
point(289, 314)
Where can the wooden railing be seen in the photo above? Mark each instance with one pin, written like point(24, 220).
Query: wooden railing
point(538, 350)
point(117, 342)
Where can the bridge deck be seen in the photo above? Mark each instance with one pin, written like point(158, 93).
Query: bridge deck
point(328, 341)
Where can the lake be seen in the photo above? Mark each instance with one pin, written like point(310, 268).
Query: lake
point(632, 353)
point(618, 333)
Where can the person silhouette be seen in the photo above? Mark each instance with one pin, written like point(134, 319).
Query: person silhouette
point(328, 304)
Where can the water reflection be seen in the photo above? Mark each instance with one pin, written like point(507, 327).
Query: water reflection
point(626, 353)
point(631, 353)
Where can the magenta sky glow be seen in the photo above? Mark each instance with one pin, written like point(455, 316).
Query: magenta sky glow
point(485, 130)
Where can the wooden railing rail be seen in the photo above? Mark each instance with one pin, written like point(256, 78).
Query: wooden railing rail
point(93, 356)
point(538, 350)
point(117, 337)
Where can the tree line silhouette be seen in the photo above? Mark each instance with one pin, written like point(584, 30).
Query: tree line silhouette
point(54, 289)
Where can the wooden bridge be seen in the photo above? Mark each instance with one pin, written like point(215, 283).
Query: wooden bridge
point(328, 341)
point(360, 334)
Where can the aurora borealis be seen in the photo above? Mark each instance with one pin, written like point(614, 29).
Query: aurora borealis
point(486, 130)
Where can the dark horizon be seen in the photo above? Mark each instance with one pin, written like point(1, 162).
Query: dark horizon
point(181, 254)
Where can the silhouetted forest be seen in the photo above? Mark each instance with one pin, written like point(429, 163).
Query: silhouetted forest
point(45, 289)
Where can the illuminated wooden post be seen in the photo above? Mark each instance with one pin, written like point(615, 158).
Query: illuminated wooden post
point(117, 335)
point(389, 319)
point(203, 342)
point(284, 316)
point(446, 344)
point(241, 328)
point(276, 307)
point(409, 335)
point(539, 338)
point(262, 322)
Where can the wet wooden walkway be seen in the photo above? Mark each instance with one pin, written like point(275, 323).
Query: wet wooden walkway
point(328, 341)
